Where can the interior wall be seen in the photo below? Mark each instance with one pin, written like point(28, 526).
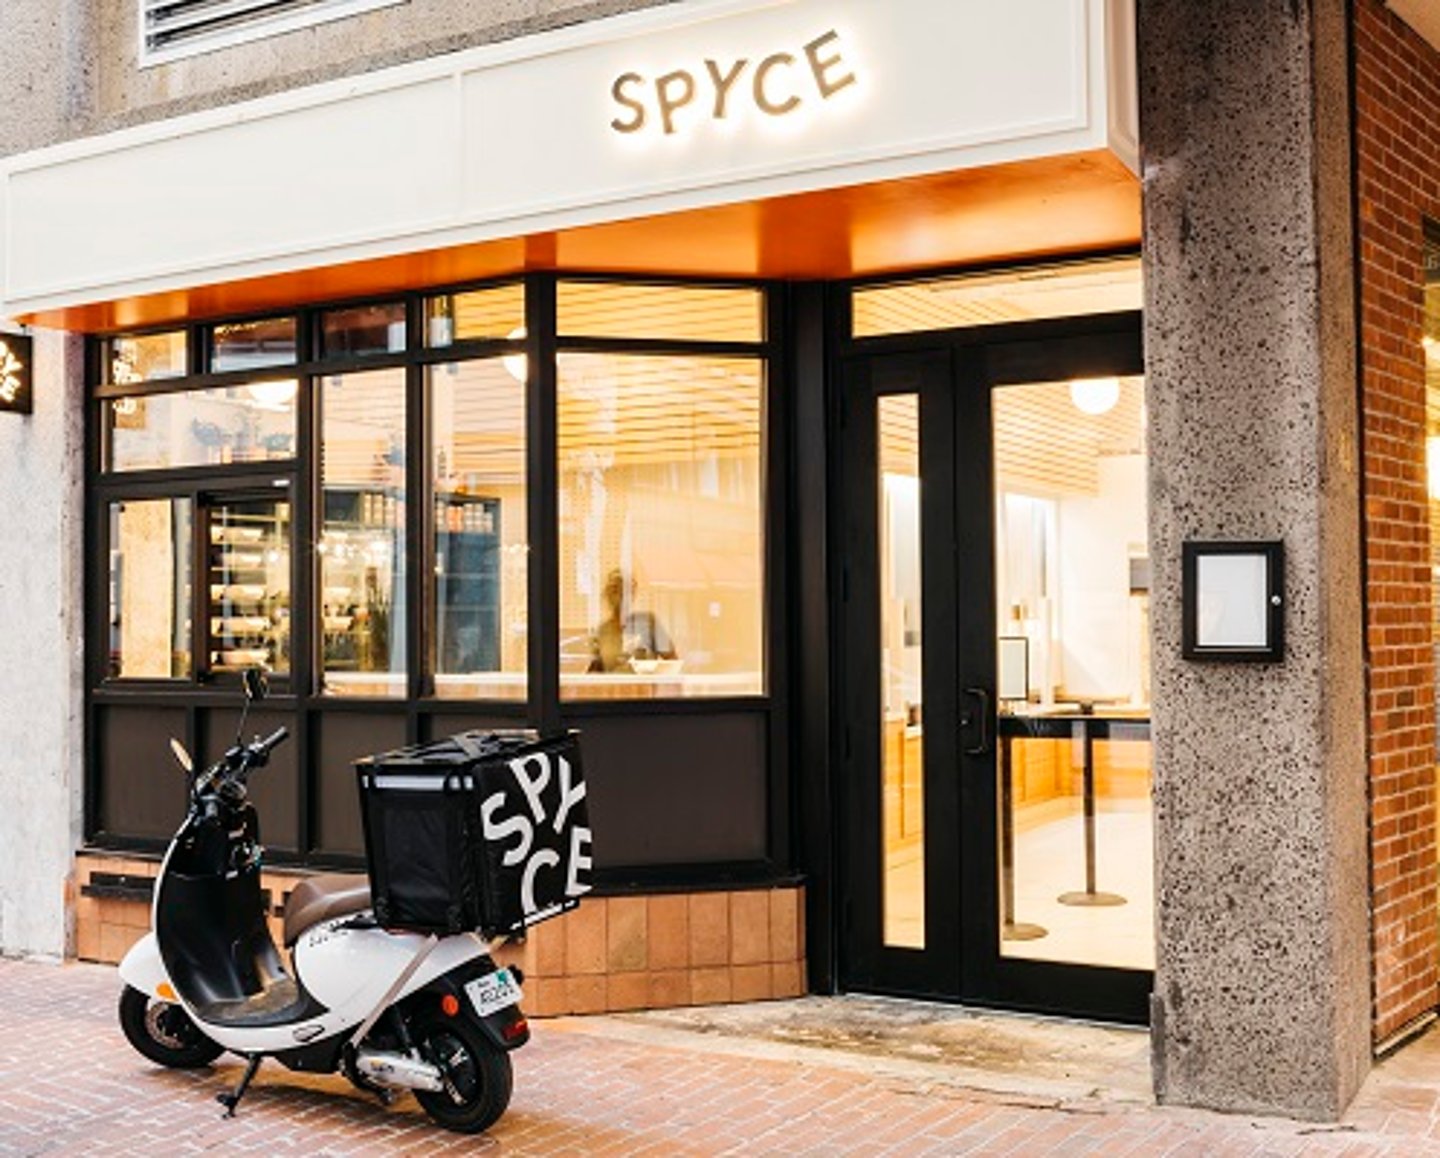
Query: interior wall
point(1100, 622)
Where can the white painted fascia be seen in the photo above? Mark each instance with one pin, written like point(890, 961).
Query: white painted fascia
point(480, 142)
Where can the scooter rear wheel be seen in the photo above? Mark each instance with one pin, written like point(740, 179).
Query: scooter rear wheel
point(163, 1032)
point(478, 1076)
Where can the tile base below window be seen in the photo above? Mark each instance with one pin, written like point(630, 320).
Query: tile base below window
point(610, 954)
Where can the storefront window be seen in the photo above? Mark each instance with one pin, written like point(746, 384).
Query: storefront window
point(361, 517)
point(661, 517)
point(361, 331)
point(146, 358)
point(250, 423)
point(477, 421)
point(494, 313)
point(599, 309)
point(252, 345)
point(150, 593)
point(362, 534)
point(984, 299)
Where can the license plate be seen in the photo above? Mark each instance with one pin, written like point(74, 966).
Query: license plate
point(493, 992)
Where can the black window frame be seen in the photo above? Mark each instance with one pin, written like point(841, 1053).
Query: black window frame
point(416, 713)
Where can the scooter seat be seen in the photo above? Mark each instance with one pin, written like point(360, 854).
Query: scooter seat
point(322, 898)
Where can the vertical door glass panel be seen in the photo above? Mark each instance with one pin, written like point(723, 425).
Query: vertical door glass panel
point(1073, 579)
point(902, 728)
point(248, 556)
point(362, 534)
point(150, 595)
point(661, 526)
point(251, 345)
point(250, 423)
point(477, 462)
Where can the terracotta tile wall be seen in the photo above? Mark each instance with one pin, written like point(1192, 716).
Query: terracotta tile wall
point(1397, 128)
point(610, 954)
point(618, 953)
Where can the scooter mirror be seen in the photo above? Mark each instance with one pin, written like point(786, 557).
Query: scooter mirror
point(182, 757)
point(256, 686)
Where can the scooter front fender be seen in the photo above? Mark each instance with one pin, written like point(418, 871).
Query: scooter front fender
point(143, 970)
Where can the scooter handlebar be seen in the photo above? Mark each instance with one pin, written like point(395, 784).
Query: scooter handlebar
point(264, 746)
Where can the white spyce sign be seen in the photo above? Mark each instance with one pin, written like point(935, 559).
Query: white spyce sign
point(777, 85)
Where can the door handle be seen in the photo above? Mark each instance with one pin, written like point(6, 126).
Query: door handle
point(970, 716)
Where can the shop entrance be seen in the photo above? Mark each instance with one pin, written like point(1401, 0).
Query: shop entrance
point(994, 668)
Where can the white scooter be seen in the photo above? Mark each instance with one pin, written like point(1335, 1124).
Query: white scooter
point(391, 1010)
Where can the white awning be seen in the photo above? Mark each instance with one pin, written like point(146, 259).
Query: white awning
point(705, 103)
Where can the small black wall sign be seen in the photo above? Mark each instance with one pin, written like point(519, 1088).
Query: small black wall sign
point(16, 394)
point(1233, 601)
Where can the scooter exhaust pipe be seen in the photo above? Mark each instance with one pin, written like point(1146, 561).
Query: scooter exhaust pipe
point(398, 1070)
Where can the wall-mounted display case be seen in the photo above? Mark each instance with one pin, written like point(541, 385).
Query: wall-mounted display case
point(248, 583)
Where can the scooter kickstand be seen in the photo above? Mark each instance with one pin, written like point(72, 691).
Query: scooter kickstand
point(232, 1099)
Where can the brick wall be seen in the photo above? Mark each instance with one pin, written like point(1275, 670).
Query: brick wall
point(1397, 123)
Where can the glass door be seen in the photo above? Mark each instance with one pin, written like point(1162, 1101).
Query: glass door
point(994, 611)
point(1073, 676)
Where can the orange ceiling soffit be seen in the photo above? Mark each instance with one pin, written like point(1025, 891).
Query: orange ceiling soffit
point(1048, 207)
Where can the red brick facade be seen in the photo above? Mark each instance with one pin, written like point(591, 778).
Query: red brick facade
point(1397, 125)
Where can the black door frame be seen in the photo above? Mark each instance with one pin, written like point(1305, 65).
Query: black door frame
point(956, 372)
point(867, 962)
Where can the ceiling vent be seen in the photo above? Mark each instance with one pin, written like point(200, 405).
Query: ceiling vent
point(170, 29)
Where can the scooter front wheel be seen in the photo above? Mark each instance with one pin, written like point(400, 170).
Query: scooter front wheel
point(163, 1032)
point(478, 1077)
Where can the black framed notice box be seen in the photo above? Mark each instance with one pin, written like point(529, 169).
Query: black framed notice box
point(1233, 602)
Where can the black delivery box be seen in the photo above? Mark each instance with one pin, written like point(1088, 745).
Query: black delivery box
point(482, 830)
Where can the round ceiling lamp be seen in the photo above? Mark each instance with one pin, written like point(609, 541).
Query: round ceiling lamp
point(1095, 395)
point(274, 395)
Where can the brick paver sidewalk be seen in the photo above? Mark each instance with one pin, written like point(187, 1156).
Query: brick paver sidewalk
point(69, 1084)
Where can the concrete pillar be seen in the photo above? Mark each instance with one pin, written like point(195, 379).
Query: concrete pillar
point(41, 690)
point(1262, 998)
